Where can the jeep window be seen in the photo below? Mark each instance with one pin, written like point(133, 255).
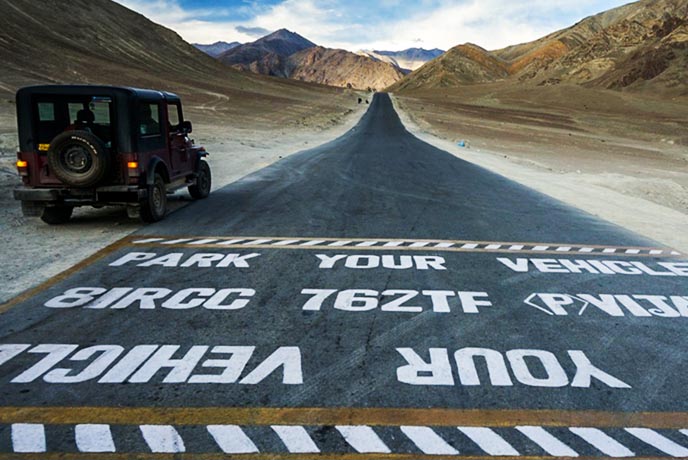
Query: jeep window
point(46, 111)
point(149, 119)
point(174, 116)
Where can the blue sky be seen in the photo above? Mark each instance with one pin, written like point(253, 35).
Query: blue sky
point(361, 24)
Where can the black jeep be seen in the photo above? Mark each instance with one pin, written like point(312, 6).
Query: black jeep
point(104, 145)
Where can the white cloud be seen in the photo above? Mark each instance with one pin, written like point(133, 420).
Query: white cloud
point(488, 23)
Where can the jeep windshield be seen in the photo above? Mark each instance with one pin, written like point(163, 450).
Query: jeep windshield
point(57, 114)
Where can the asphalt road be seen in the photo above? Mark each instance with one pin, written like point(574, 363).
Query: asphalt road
point(374, 297)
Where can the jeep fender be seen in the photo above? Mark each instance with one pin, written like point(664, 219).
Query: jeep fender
point(201, 153)
point(154, 164)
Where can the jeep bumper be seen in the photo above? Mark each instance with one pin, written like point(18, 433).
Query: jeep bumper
point(118, 194)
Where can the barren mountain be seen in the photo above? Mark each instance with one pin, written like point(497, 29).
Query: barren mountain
point(258, 56)
point(407, 60)
point(100, 41)
point(341, 68)
point(217, 48)
point(639, 45)
point(289, 55)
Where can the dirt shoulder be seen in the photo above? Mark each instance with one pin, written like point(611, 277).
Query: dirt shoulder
point(627, 164)
point(33, 252)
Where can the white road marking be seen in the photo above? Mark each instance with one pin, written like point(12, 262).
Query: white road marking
point(28, 437)
point(177, 241)
point(256, 242)
point(602, 442)
point(162, 439)
point(658, 441)
point(232, 439)
point(443, 245)
point(148, 240)
point(367, 244)
point(516, 247)
point(337, 244)
point(94, 438)
point(540, 248)
point(547, 441)
point(428, 441)
point(469, 246)
point(296, 439)
point(205, 241)
point(312, 243)
point(419, 244)
point(586, 249)
point(656, 252)
point(563, 249)
point(489, 441)
point(492, 247)
point(230, 242)
point(393, 244)
point(363, 439)
point(632, 251)
point(285, 242)
point(609, 250)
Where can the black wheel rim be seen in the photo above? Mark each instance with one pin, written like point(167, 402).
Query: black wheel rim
point(158, 199)
point(77, 159)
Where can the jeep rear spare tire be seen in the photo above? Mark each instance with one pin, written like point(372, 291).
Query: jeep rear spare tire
point(154, 207)
point(78, 158)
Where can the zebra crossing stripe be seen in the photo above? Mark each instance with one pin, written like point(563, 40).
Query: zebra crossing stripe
point(363, 439)
point(658, 441)
point(428, 441)
point(94, 438)
point(296, 439)
point(232, 440)
point(489, 441)
point(602, 442)
point(162, 439)
point(28, 437)
point(548, 442)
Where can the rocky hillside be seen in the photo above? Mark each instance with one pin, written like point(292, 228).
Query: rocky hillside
point(217, 48)
point(642, 45)
point(289, 55)
point(406, 60)
point(259, 55)
point(340, 68)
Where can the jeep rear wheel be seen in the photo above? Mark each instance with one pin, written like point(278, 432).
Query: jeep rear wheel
point(78, 158)
point(154, 207)
point(55, 215)
point(201, 189)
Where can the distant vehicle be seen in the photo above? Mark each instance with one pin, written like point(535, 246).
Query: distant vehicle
point(103, 145)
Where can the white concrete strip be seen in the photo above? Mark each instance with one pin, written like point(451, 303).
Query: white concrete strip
point(658, 441)
point(312, 243)
point(285, 242)
point(230, 242)
point(148, 240)
point(547, 441)
point(488, 440)
point(337, 244)
point(469, 246)
point(296, 439)
point(28, 437)
point(363, 439)
point(205, 241)
point(540, 248)
point(493, 246)
point(442, 245)
point(232, 439)
point(428, 441)
point(419, 244)
point(177, 241)
point(162, 439)
point(564, 249)
point(367, 244)
point(256, 242)
point(516, 247)
point(94, 438)
point(602, 442)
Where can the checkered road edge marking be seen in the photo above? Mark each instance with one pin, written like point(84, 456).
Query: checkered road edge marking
point(352, 439)
point(394, 244)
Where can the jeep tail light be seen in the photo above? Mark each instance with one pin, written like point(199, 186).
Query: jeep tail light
point(23, 167)
point(133, 169)
point(133, 165)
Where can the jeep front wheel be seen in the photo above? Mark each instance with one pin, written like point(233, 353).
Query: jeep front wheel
point(201, 189)
point(78, 158)
point(55, 215)
point(154, 207)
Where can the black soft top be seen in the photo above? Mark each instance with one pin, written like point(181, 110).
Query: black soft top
point(105, 90)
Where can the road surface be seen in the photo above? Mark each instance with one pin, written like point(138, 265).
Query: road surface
point(374, 297)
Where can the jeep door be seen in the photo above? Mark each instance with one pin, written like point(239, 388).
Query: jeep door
point(182, 163)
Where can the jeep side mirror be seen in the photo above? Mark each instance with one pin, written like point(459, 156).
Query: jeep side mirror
point(186, 127)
